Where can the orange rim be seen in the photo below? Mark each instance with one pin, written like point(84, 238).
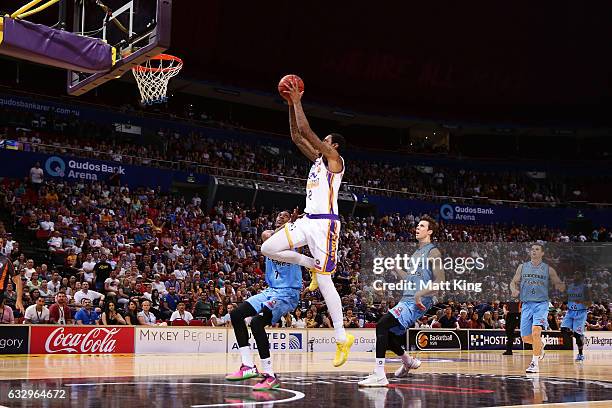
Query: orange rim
point(161, 57)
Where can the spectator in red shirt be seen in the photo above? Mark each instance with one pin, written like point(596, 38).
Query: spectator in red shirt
point(257, 270)
point(475, 322)
point(59, 312)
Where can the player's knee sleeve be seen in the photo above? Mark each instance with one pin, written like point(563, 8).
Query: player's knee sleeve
point(240, 329)
point(242, 312)
point(382, 333)
point(326, 286)
point(326, 283)
point(385, 323)
point(259, 322)
point(258, 325)
point(395, 343)
point(566, 333)
point(267, 316)
point(579, 340)
point(332, 298)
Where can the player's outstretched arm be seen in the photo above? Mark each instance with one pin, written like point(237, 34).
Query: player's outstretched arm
point(557, 282)
point(438, 277)
point(299, 140)
point(516, 280)
point(303, 127)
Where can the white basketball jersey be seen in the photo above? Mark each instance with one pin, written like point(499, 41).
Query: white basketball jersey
point(322, 189)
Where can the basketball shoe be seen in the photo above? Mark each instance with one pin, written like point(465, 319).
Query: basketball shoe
point(244, 373)
point(533, 368)
point(413, 364)
point(342, 350)
point(268, 382)
point(374, 380)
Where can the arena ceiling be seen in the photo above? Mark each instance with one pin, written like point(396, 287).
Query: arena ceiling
point(545, 64)
point(543, 61)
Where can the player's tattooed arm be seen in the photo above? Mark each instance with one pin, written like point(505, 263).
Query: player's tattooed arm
point(311, 137)
point(516, 280)
point(305, 147)
point(303, 127)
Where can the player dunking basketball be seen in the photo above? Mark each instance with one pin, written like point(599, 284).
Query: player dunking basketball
point(416, 300)
point(7, 274)
point(282, 296)
point(533, 278)
point(320, 227)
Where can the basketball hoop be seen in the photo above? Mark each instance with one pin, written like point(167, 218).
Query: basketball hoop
point(153, 75)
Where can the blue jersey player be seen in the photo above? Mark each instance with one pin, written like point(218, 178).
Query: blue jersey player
point(416, 300)
point(530, 283)
point(282, 296)
point(578, 296)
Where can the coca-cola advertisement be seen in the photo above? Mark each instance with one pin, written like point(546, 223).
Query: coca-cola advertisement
point(81, 340)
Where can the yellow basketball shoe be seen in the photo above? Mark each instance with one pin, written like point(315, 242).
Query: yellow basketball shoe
point(342, 350)
point(314, 285)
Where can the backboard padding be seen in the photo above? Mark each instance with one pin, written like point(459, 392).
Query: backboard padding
point(149, 36)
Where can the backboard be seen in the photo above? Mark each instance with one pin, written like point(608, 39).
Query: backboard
point(138, 29)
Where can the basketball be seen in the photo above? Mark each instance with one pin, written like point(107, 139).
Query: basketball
point(284, 82)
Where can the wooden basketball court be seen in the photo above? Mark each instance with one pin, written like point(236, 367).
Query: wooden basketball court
point(445, 379)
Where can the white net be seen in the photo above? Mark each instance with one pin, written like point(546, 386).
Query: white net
point(153, 75)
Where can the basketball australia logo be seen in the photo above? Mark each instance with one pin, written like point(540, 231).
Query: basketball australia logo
point(422, 340)
point(436, 339)
point(447, 212)
point(55, 166)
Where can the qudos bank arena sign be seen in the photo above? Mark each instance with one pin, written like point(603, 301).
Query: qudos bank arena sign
point(76, 169)
point(450, 212)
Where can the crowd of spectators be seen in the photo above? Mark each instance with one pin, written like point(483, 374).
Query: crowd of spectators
point(111, 255)
point(277, 160)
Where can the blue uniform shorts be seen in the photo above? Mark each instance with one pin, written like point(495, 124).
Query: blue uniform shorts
point(575, 320)
point(407, 313)
point(278, 300)
point(533, 314)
